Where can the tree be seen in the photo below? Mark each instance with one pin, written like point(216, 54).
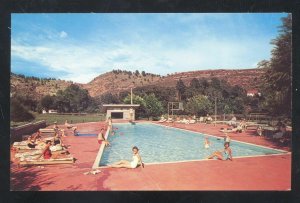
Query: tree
point(72, 99)
point(203, 85)
point(277, 78)
point(195, 83)
point(180, 87)
point(47, 102)
point(18, 112)
point(109, 98)
point(140, 111)
point(153, 106)
point(199, 105)
point(143, 73)
point(137, 72)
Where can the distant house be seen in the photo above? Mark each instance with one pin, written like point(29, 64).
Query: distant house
point(44, 111)
point(52, 111)
point(252, 93)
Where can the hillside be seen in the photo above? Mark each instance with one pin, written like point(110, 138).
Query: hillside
point(110, 82)
point(116, 81)
point(246, 78)
point(36, 88)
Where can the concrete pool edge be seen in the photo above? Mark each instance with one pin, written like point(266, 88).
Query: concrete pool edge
point(279, 150)
point(200, 160)
point(96, 164)
point(100, 152)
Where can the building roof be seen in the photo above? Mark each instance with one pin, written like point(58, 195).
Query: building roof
point(121, 105)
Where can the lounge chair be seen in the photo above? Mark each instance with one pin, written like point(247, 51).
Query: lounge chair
point(192, 121)
point(163, 120)
point(185, 121)
point(47, 130)
point(35, 153)
point(170, 120)
point(68, 160)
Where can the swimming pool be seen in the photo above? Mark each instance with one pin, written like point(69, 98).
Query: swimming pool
point(159, 144)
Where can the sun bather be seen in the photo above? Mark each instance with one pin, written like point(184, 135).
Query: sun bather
point(170, 120)
point(137, 161)
point(69, 126)
point(225, 154)
point(239, 129)
point(162, 119)
point(232, 121)
point(47, 154)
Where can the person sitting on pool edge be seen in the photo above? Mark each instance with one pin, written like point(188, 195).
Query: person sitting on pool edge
point(101, 138)
point(225, 154)
point(137, 161)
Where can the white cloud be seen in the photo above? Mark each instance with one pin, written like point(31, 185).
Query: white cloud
point(63, 34)
point(85, 61)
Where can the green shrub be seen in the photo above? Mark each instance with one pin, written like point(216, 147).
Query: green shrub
point(18, 112)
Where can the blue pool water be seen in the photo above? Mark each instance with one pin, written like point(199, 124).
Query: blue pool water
point(85, 134)
point(164, 144)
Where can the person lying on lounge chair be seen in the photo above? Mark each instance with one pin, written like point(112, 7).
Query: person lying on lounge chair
point(192, 121)
point(69, 126)
point(47, 154)
point(136, 161)
point(232, 121)
point(162, 119)
point(208, 119)
point(35, 141)
point(170, 120)
point(281, 132)
point(230, 130)
point(185, 121)
point(225, 154)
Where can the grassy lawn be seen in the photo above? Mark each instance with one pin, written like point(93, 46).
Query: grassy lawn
point(60, 119)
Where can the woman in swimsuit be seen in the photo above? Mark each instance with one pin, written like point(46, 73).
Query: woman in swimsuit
point(136, 160)
point(47, 154)
point(31, 142)
point(225, 154)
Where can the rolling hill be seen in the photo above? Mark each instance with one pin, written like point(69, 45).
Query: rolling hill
point(117, 81)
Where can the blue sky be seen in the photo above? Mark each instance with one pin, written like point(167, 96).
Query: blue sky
point(79, 47)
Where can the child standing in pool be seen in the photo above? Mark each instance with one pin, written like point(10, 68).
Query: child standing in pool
point(206, 143)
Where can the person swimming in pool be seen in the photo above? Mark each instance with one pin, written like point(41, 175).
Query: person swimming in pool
point(136, 161)
point(225, 154)
point(206, 143)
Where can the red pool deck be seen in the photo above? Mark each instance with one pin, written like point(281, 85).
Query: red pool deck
point(252, 173)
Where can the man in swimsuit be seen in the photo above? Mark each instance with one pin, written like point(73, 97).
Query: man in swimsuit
point(225, 154)
point(101, 138)
point(136, 161)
